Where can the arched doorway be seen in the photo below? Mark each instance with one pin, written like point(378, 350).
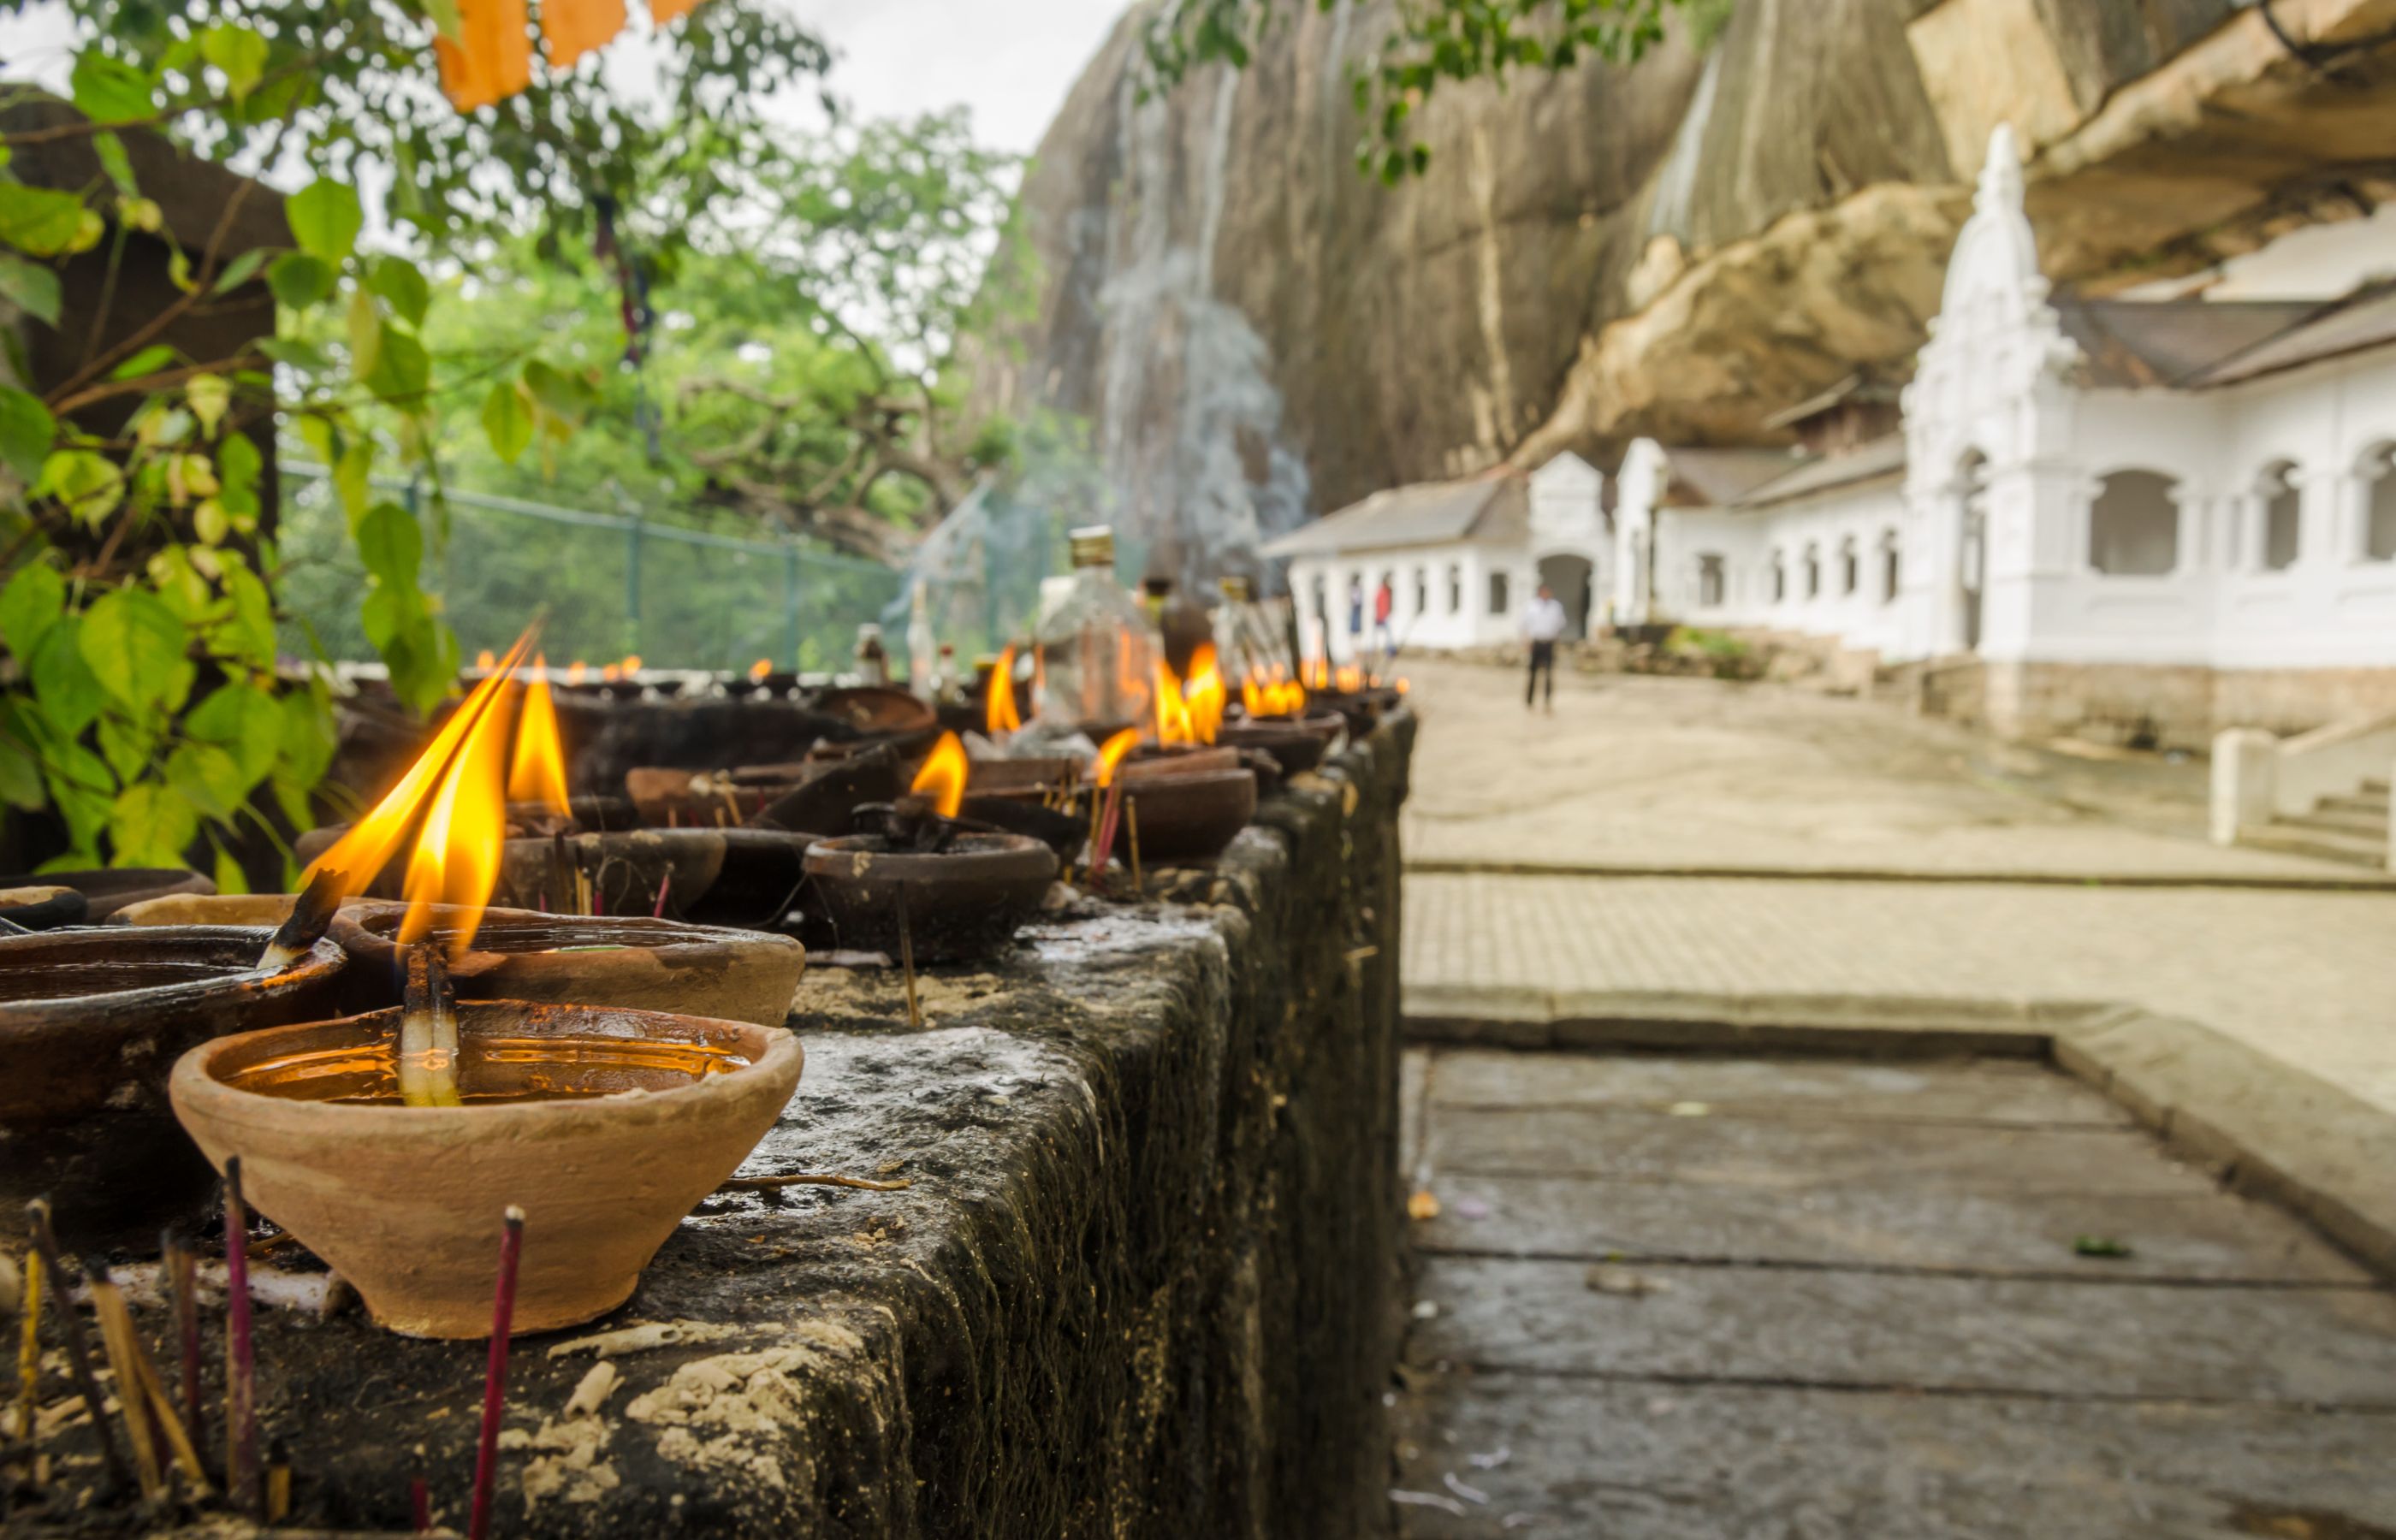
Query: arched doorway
point(1572, 579)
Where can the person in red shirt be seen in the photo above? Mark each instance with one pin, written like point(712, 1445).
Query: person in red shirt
point(1383, 602)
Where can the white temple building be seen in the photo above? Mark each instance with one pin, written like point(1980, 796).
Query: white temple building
point(2136, 519)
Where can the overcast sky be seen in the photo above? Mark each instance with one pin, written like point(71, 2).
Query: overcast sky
point(1010, 60)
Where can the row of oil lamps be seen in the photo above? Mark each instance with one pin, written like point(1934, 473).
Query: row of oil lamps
point(493, 999)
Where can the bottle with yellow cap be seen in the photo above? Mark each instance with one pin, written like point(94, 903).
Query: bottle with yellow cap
point(1096, 652)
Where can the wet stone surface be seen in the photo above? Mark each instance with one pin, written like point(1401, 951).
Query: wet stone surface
point(1141, 1283)
point(1698, 1298)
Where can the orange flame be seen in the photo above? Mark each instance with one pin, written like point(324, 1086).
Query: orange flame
point(485, 661)
point(632, 664)
point(943, 776)
point(760, 668)
point(1351, 678)
point(575, 671)
point(538, 773)
point(1000, 715)
point(1206, 694)
point(1173, 726)
point(1277, 697)
point(609, 673)
point(458, 777)
point(1111, 753)
point(1403, 686)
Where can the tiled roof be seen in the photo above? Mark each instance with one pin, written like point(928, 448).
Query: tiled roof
point(1881, 458)
point(1713, 478)
point(1495, 507)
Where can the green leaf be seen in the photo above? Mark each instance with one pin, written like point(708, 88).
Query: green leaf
point(402, 371)
point(34, 598)
point(150, 360)
point(325, 219)
point(309, 740)
point(253, 618)
point(210, 522)
point(351, 475)
point(507, 419)
point(38, 222)
point(151, 825)
point(391, 544)
point(445, 21)
point(70, 694)
point(90, 484)
point(30, 287)
point(26, 431)
point(210, 395)
point(81, 787)
point(564, 396)
point(230, 877)
point(365, 327)
point(20, 775)
point(240, 270)
point(238, 51)
point(291, 795)
point(180, 585)
point(399, 281)
point(110, 90)
point(300, 280)
point(243, 720)
point(126, 745)
point(135, 644)
point(210, 778)
point(115, 162)
point(238, 461)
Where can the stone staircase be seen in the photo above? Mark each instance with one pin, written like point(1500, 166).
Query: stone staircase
point(2351, 827)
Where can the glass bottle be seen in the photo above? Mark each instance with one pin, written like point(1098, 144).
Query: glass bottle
point(1250, 647)
point(1096, 653)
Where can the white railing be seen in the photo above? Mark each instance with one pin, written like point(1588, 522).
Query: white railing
point(2259, 778)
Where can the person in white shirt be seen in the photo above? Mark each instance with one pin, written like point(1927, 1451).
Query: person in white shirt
point(1543, 622)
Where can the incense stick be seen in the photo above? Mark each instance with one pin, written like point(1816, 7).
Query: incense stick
point(46, 1246)
point(1131, 838)
point(495, 1374)
point(115, 1341)
point(665, 885)
point(29, 1352)
point(419, 1505)
point(311, 916)
point(427, 1032)
point(907, 960)
point(182, 1277)
point(241, 1352)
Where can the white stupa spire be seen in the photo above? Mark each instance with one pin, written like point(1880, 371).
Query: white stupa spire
point(2000, 173)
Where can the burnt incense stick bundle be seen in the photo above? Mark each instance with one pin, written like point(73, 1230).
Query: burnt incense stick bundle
point(427, 1032)
point(45, 1245)
point(160, 1444)
point(241, 1352)
point(495, 1373)
point(311, 916)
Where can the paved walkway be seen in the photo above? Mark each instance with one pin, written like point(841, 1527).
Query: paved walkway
point(1692, 775)
point(1719, 1297)
point(1679, 774)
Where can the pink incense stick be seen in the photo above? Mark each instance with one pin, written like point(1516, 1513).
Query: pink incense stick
point(495, 1376)
point(419, 1505)
point(665, 885)
point(241, 1353)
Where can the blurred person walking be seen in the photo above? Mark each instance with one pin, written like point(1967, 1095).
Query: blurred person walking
point(1543, 622)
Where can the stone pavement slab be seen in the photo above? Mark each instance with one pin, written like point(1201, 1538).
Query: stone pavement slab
point(2305, 977)
point(2216, 1237)
point(1670, 1462)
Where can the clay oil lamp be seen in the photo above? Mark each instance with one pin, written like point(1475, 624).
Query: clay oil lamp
point(393, 1144)
point(1185, 797)
point(91, 1023)
point(1274, 719)
point(1351, 693)
point(762, 682)
point(925, 884)
point(41, 907)
point(602, 947)
point(105, 892)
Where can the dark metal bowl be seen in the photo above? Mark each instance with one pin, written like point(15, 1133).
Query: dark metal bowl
point(962, 903)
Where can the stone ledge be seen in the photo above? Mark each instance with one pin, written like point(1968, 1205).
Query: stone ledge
point(2260, 1125)
point(1142, 1284)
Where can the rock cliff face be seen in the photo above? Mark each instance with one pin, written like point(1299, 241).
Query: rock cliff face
point(1258, 334)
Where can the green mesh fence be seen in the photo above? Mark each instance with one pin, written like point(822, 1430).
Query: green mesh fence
point(611, 584)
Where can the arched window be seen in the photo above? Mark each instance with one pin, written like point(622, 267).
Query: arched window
point(1890, 567)
point(1498, 597)
point(1779, 577)
point(2379, 504)
point(1850, 566)
point(1456, 588)
point(1422, 590)
point(2133, 525)
point(2276, 493)
point(1711, 579)
point(1813, 572)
